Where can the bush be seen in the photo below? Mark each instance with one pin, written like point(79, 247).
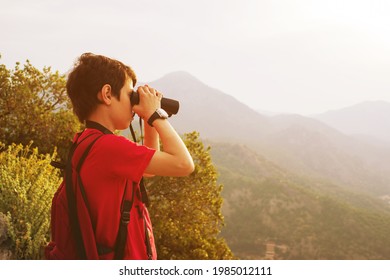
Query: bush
point(27, 185)
point(186, 211)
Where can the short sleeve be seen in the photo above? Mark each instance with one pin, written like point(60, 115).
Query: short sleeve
point(120, 157)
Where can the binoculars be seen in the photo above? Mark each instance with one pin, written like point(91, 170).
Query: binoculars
point(171, 106)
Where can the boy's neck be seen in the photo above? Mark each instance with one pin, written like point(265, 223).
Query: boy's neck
point(98, 126)
point(102, 119)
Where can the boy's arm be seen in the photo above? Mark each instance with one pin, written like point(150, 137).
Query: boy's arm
point(174, 160)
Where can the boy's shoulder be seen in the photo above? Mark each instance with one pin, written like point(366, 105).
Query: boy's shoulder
point(112, 142)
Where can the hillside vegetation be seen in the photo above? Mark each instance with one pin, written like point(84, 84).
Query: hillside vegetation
point(306, 219)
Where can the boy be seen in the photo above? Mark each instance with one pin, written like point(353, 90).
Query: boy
point(100, 90)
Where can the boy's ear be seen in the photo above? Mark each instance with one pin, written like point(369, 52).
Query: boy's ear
point(105, 94)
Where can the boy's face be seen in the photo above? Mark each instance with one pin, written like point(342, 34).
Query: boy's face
point(122, 110)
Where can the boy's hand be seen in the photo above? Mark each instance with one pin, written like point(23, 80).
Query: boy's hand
point(149, 102)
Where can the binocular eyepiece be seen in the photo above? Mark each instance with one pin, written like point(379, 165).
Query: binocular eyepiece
point(171, 106)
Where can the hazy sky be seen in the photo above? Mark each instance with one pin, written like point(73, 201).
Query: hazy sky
point(282, 56)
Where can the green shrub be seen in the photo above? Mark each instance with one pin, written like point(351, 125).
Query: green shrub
point(27, 185)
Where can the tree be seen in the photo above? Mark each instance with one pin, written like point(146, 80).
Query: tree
point(186, 211)
point(27, 186)
point(34, 106)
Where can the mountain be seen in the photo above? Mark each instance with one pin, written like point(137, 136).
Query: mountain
point(370, 118)
point(309, 147)
point(291, 181)
point(302, 217)
point(299, 144)
point(209, 111)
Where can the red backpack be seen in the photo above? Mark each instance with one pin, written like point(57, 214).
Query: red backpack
point(73, 235)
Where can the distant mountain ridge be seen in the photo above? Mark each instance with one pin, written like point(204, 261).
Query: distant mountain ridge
point(370, 118)
point(299, 144)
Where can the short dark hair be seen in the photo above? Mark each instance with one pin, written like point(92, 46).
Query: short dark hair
point(89, 74)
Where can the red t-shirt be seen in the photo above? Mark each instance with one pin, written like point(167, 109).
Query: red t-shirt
point(113, 161)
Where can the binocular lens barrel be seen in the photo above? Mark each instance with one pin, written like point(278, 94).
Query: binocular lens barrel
point(171, 106)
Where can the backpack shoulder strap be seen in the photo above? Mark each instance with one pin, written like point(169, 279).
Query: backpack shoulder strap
point(78, 169)
point(124, 222)
point(72, 206)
